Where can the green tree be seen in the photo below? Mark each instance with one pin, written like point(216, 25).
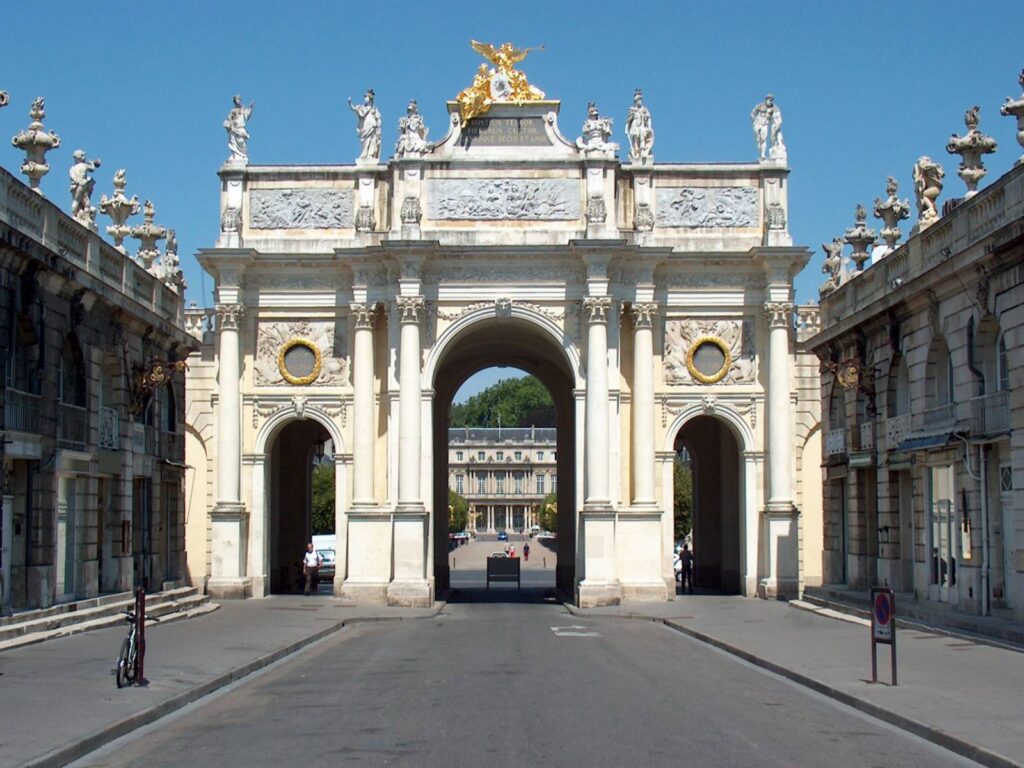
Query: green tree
point(682, 491)
point(458, 512)
point(323, 498)
point(547, 516)
point(522, 402)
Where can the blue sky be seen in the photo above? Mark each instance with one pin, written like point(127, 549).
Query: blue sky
point(865, 88)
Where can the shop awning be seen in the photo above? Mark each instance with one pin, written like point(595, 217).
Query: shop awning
point(924, 442)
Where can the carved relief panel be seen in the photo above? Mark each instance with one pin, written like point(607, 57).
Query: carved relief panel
point(309, 353)
point(707, 207)
point(709, 351)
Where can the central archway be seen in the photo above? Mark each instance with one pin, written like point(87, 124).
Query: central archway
point(519, 342)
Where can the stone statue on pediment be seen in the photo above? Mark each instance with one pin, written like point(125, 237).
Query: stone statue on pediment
point(766, 119)
point(412, 133)
point(927, 187)
point(82, 185)
point(368, 126)
point(238, 134)
point(833, 266)
point(640, 130)
point(597, 131)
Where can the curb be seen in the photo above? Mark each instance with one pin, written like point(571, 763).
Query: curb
point(82, 747)
point(922, 730)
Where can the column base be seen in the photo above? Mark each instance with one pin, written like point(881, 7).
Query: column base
point(365, 592)
point(655, 591)
point(229, 588)
point(778, 589)
point(410, 594)
point(593, 595)
point(260, 586)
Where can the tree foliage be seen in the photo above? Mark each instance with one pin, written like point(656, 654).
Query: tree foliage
point(522, 402)
point(682, 491)
point(547, 516)
point(323, 498)
point(458, 512)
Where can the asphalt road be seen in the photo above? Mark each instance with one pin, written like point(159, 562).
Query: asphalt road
point(499, 682)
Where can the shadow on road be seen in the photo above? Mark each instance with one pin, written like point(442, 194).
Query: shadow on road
point(536, 595)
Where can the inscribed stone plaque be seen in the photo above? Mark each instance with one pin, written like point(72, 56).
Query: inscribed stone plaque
point(505, 132)
point(504, 199)
point(300, 208)
point(706, 207)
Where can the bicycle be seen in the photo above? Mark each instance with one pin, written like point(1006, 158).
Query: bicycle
point(127, 670)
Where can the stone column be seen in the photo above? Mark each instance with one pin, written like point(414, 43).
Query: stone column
point(229, 415)
point(409, 447)
point(780, 514)
point(596, 490)
point(643, 404)
point(228, 518)
point(364, 432)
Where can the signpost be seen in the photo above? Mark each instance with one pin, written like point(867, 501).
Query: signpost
point(883, 628)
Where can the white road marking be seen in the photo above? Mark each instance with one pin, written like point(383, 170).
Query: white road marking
point(574, 631)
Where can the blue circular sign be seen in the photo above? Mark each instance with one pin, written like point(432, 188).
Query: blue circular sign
point(883, 609)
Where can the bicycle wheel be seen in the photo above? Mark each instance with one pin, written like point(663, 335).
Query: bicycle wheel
point(132, 668)
point(121, 673)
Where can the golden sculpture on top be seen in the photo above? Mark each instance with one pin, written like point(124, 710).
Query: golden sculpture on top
point(502, 83)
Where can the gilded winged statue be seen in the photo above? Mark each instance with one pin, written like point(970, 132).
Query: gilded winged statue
point(503, 83)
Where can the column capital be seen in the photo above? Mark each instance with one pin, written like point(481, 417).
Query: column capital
point(410, 308)
point(365, 315)
point(597, 308)
point(644, 313)
point(229, 316)
point(779, 313)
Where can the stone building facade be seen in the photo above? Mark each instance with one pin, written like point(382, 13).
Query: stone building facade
point(92, 457)
point(504, 474)
point(654, 301)
point(922, 382)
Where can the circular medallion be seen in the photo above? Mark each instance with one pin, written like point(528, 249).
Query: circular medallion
point(708, 359)
point(501, 88)
point(299, 361)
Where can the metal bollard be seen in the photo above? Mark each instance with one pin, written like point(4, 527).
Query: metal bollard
point(140, 619)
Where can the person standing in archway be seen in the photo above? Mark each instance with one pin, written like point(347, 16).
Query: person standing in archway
point(686, 572)
point(311, 563)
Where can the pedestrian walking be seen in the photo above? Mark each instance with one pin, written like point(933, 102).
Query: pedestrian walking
point(311, 563)
point(526, 552)
point(686, 572)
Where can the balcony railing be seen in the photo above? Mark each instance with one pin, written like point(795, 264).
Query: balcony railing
point(21, 411)
point(939, 418)
point(990, 414)
point(867, 436)
point(835, 442)
point(72, 427)
point(110, 429)
point(897, 429)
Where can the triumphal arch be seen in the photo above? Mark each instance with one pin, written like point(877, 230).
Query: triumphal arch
point(654, 301)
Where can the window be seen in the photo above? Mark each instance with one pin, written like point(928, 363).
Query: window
point(479, 455)
point(540, 483)
point(459, 485)
point(519, 455)
point(540, 455)
point(1005, 478)
point(554, 483)
point(1002, 365)
point(481, 484)
point(943, 526)
point(501, 483)
point(501, 455)
point(72, 373)
point(517, 479)
point(458, 455)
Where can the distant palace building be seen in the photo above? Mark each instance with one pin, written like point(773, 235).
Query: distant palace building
point(504, 474)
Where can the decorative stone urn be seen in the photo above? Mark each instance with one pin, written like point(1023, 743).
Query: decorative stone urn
point(970, 148)
point(119, 208)
point(891, 212)
point(36, 142)
point(860, 237)
point(1015, 108)
point(148, 234)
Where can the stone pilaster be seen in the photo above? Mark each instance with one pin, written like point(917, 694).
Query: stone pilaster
point(596, 489)
point(364, 431)
point(643, 403)
point(410, 310)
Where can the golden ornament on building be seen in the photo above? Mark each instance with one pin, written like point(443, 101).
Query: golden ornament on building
point(708, 359)
point(503, 83)
point(299, 361)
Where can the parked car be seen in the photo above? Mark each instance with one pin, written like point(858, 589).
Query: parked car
point(502, 536)
point(327, 567)
point(545, 535)
point(498, 554)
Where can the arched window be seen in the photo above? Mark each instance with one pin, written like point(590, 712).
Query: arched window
point(837, 407)
point(939, 381)
point(899, 389)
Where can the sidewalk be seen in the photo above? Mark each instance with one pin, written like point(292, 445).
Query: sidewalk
point(58, 700)
point(962, 694)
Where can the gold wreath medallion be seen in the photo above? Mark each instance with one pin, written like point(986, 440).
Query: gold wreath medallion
point(310, 377)
point(718, 375)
